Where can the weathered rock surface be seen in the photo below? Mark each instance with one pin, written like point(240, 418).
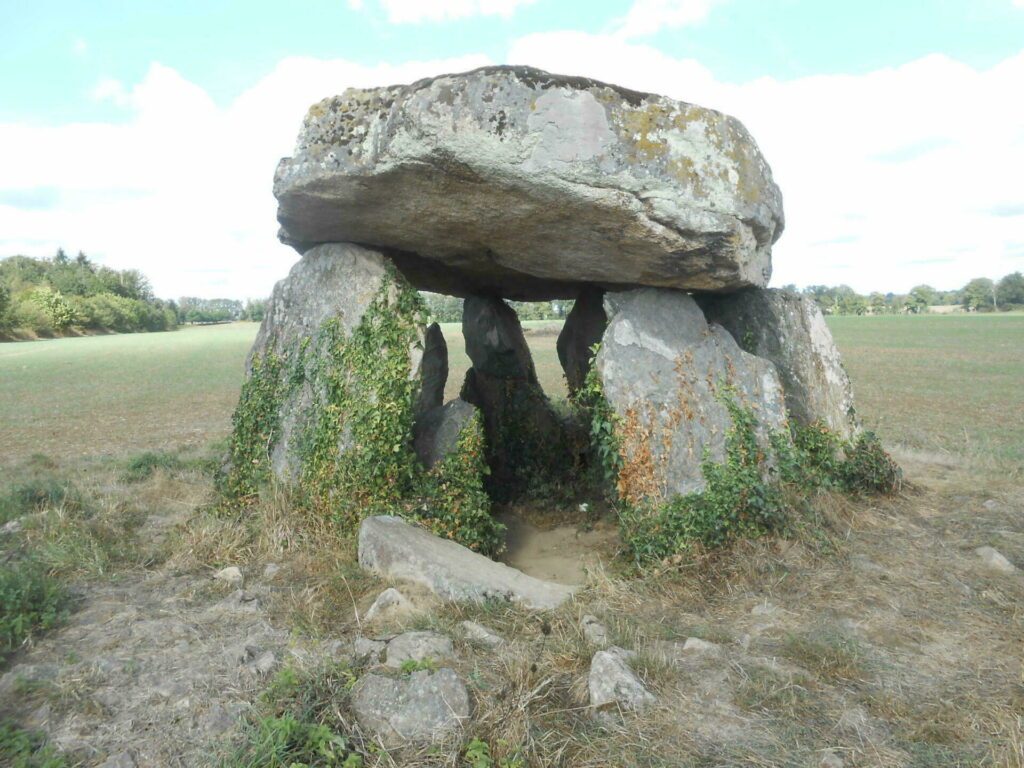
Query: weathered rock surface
point(523, 431)
point(417, 646)
point(584, 327)
point(437, 432)
point(336, 282)
point(664, 371)
point(423, 707)
point(514, 181)
point(594, 632)
point(995, 560)
point(790, 331)
point(388, 602)
point(396, 549)
point(478, 634)
point(613, 683)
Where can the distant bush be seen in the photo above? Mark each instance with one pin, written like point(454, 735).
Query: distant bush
point(27, 749)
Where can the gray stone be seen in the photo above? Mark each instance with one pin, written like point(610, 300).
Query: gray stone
point(478, 634)
point(365, 648)
point(522, 428)
point(829, 759)
point(12, 526)
point(594, 632)
point(396, 549)
point(613, 683)
point(423, 707)
point(664, 372)
point(270, 570)
point(433, 370)
point(336, 282)
point(789, 330)
point(417, 646)
point(387, 602)
point(995, 560)
point(231, 575)
point(438, 431)
point(584, 327)
point(513, 181)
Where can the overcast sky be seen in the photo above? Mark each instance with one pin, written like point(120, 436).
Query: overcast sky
point(146, 133)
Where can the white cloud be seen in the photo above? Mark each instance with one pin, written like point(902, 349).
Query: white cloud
point(892, 178)
point(182, 190)
point(415, 11)
point(645, 17)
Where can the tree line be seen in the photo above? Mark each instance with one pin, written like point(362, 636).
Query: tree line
point(448, 309)
point(978, 295)
point(201, 311)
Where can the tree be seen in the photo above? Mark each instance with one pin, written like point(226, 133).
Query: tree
point(5, 304)
point(1010, 289)
point(877, 303)
point(980, 293)
point(920, 298)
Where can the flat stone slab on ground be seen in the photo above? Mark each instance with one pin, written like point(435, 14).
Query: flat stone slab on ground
point(423, 707)
point(396, 549)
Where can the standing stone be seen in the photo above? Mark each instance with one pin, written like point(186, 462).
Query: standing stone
point(523, 431)
point(790, 330)
point(438, 431)
point(612, 683)
point(583, 328)
point(664, 372)
point(433, 370)
point(323, 300)
point(522, 183)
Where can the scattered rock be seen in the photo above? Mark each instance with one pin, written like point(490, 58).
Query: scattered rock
point(478, 634)
point(789, 330)
point(388, 602)
point(830, 759)
point(231, 576)
point(517, 182)
point(417, 646)
point(764, 609)
point(995, 560)
point(594, 632)
point(11, 526)
point(696, 645)
point(396, 549)
point(663, 370)
point(990, 504)
point(613, 682)
point(259, 661)
point(422, 707)
point(365, 648)
point(120, 760)
point(270, 570)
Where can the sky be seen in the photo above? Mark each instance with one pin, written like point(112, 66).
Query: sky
point(146, 133)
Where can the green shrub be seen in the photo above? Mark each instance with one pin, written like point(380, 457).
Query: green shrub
point(26, 749)
point(296, 725)
point(30, 601)
point(740, 500)
point(143, 466)
point(37, 494)
point(867, 467)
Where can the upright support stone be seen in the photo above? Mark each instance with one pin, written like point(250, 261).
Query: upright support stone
point(298, 389)
point(665, 373)
point(433, 371)
point(523, 430)
point(583, 328)
point(790, 330)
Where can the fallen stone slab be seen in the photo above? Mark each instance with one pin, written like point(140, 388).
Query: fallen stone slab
point(466, 177)
point(396, 549)
point(423, 707)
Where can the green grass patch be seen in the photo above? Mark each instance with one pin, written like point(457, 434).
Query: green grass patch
point(27, 749)
point(31, 601)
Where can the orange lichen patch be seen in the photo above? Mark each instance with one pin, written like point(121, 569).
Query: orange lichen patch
point(638, 477)
point(641, 126)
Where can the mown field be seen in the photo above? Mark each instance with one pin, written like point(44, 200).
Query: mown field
point(950, 384)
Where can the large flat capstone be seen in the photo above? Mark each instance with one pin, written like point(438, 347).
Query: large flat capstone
point(395, 549)
point(516, 182)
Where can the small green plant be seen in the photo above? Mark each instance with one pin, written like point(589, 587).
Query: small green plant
point(31, 601)
point(26, 749)
point(477, 754)
point(605, 443)
point(41, 492)
point(295, 724)
point(143, 466)
point(867, 467)
point(417, 665)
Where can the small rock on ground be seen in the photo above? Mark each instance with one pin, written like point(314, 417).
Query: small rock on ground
point(388, 602)
point(594, 632)
point(830, 759)
point(478, 634)
point(995, 560)
point(231, 575)
point(425, 706)
point(612, 682)
point(417, 646)
point(365, 648)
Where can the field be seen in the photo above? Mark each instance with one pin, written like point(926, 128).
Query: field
point(942, 383)
point(879, 638)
